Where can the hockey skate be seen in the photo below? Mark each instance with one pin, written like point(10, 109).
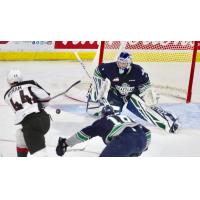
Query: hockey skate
point(171, 119)
point(173, 122)
point(175, 126)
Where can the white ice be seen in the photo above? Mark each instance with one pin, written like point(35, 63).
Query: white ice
point(56, 76)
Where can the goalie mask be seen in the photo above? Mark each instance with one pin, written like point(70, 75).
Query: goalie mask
point(14, 76)
point(124, 62)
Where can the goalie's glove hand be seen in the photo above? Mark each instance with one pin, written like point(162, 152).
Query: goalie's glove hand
point(150, 97)
point(61, 146)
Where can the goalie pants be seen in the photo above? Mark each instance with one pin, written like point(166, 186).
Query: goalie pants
point(131, 142)
point(115, 100)
point(35, 126)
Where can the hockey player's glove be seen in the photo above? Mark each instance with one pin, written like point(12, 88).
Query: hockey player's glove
point(150, 97)
point(61, 146)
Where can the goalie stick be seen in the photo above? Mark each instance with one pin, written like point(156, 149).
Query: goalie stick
point(88, 75)
point(64, 92)
point(82, 64)
point(84, 67)
point(102, 100)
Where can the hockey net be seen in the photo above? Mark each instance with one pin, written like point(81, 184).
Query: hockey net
point(168, 63)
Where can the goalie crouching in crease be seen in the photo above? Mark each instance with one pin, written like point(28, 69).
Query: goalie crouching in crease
point(123, 137)
point(123, 83)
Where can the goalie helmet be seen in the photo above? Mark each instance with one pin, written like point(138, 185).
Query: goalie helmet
point(14, 76)
point(124, 62)
point(107, 110)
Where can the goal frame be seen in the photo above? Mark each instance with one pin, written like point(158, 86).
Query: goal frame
point(192, 69)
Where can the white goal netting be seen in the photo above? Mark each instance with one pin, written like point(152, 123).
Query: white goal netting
point(168, 63)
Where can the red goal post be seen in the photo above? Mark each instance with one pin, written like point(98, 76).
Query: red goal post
point(170, 64)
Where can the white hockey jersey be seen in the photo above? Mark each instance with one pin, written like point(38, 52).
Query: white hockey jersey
point(25, 98)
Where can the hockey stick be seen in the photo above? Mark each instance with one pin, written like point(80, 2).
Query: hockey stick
point(84, 67)
point(88, 75)
point(89, 89)
point(82, 64)
point(102, 99)
point(77, 82)
point(71, 149)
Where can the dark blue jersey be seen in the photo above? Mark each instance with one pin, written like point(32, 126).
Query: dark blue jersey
point(124, 84)
point(111, 126)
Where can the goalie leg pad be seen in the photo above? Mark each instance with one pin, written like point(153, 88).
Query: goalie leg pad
point(171, 118)
point(159, 118)
point(94, 108)
point(137, 106)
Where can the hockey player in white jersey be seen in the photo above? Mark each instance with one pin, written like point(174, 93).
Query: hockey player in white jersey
point(28, 99)
point(124, 83)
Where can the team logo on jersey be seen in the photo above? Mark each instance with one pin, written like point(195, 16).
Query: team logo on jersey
point(124, 89)
point(116, 79)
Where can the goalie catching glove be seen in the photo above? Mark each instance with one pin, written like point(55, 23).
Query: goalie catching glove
point(150, 97)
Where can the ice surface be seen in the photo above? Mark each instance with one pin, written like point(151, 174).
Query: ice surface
point(55, 76)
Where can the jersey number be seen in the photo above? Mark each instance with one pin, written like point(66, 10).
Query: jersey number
point(117, 120)
point(24, 99)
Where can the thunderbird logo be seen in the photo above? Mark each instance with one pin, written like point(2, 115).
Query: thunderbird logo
point(125, 89)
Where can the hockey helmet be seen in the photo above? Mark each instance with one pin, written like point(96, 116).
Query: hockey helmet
point(14, 76)
point(124, 62)
point(107, 110)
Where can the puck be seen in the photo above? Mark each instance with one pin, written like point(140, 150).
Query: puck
point(58, 111)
